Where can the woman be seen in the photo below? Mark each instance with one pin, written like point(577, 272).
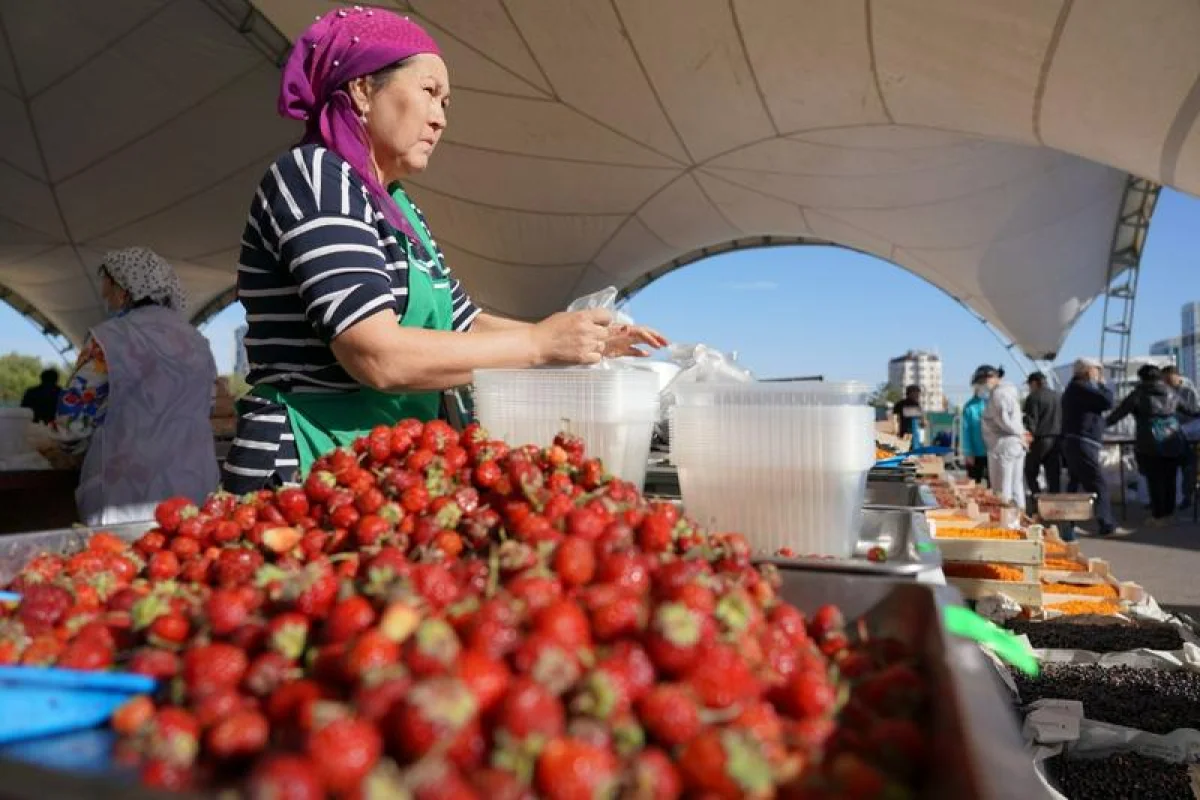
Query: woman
point(353, 318)
point(1159, 442)
point(974, 449)
point(138, 400)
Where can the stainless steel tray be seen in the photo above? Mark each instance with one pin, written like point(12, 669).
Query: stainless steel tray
point(17, 549)
point(898, 494)
point(976, 749)
point(903, 533)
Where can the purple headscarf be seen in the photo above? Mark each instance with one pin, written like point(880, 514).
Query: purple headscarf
point(339, 47)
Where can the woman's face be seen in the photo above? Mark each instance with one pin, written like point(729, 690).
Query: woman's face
point(406, 115)
point(113, 295)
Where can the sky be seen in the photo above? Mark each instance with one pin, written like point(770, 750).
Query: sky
point(778, 309)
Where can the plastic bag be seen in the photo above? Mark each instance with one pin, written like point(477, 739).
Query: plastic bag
point(607, 299)
point(698, 363)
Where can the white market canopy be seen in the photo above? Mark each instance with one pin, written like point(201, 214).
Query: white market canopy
point(983, 145)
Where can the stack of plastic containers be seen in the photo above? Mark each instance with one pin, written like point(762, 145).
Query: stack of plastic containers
point(612, 410)
point(785, 464)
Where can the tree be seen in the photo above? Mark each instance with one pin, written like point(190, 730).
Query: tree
point(885, 396)
point(17, 373)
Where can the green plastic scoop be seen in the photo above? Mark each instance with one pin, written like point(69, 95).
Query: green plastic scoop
point(964, 622)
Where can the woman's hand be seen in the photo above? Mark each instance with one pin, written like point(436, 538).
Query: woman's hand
point(626, 340)
point(573, 337)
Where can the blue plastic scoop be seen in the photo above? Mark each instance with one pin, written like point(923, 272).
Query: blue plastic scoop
point(45, 701)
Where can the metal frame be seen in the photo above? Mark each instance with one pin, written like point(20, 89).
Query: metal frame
point(1124, 268)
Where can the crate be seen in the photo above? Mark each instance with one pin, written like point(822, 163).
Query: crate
point(1027, 551)
point(1027, 593)
point(1066, 507)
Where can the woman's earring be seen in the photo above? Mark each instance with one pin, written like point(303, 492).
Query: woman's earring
point(362, 117)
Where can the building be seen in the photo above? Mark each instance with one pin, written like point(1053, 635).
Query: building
point(1189, 346)
point(241, 363)
point(1168, 347)
point(923, 369)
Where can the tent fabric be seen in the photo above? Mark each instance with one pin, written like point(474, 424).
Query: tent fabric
point(984, 146)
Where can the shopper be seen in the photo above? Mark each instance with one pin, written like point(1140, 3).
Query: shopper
point(1188, 397)
point(1005, 435)
point(909, 416)
point(354, 318)
point(1159, 442)
point(139, 399)
point(1084, 403)
point(1043, 420)
point(974, 449)
point(42, 399)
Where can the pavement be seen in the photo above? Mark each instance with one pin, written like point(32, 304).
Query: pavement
point(1165, 561)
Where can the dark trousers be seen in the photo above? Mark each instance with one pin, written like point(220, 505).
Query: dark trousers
point(1189, 476)
point(979, 470)
point(1083, 472)
point(1044, 451)
point(1161, 474)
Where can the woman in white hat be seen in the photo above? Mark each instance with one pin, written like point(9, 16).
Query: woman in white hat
point(138, 401)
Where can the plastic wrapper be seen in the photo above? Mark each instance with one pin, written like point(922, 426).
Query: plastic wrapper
point(606, 299)
point(998, 608)
point(1061, 722)
point(697, 363)
point(1188, 657)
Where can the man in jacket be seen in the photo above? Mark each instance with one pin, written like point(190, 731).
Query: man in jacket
point(1187, 397)
point(1084, 404)
point(1043, 420)
point(974, 449)
point(1004, 433)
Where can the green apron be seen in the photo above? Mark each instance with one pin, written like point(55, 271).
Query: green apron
point(324, 422)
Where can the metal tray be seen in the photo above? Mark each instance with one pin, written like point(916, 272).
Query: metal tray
point(903, 533)
point(898, 494)
point(975, 740)
point(1066, 507)
point(17, 549)
point(976, 749)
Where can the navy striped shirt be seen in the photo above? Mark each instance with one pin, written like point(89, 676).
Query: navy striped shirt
point(317, 257)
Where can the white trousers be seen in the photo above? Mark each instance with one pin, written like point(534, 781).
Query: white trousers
point(1006, 469)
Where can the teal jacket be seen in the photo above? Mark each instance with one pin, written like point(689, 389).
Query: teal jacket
point(972, 428)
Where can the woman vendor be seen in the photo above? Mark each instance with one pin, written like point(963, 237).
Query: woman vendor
point(353, 317)
point(137, 404)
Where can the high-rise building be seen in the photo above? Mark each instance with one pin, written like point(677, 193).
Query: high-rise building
point(920, 368)
point(241, 363)
point(1189, 346)
point(1168, 347)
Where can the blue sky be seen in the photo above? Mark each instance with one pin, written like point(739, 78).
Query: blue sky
point(781, 312)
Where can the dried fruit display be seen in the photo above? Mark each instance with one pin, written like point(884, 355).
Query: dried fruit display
point(978, 533)
point(442, 615)
point(1089, 589)
point(1153, 700)
point(1104, 608)
point(983, 571)
point(1124, 776)
point(1065, 634)
point(1062, 564)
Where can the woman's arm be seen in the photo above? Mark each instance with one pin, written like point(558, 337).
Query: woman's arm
point(623, 340)
point(385, 356)
point(84, 402)
point(490, 323)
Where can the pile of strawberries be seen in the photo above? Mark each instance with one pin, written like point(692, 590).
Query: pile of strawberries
point(438, 615)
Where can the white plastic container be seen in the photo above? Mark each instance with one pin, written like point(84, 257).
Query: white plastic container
point(785, 464)
point(612, 410)
point(14, 431)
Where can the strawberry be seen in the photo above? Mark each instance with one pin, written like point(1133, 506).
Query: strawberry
point(285, 777)
point(226, 610)
point(674, 637)
point(135, 712)
point(568, 769)
point(287, 706)
point(670, 714)
point(163, 566)
point(347, 618)
point(808, 694)
point(43, 606)
point(184, 547)
point(368, 653)
point(432, 649)
point(724, 764)
point(720, 677)
point(622, 615)
point(436, 711)
point(825, 621)
point(487, 678)
point(169, 629)
point(654, 776)
point(157, 663)
point(547, 662)
point(900, 745)
point(855, 778)
point(575, 561)
point(343, 752)
point(529, 708)
point(242, 734)
point(160, 773)
point(293, 504)
point(216, 705)
point(173, 735)
point(237, 566)
point(266, 673)
point(378, 693)
point(171, 513)
point(213, 666)
point(565, 623)
point(281, 539)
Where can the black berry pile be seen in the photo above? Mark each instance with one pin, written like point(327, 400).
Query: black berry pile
point(1153, 700)
point(1125, 776)
point(1113, 638)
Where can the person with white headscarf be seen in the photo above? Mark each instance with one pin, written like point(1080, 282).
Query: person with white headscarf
point(138, 401)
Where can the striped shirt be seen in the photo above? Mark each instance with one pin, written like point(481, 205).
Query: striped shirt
point(316, 258)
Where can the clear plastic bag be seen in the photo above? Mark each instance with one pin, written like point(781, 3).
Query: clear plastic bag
point(606, 299)
point(697, 363)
